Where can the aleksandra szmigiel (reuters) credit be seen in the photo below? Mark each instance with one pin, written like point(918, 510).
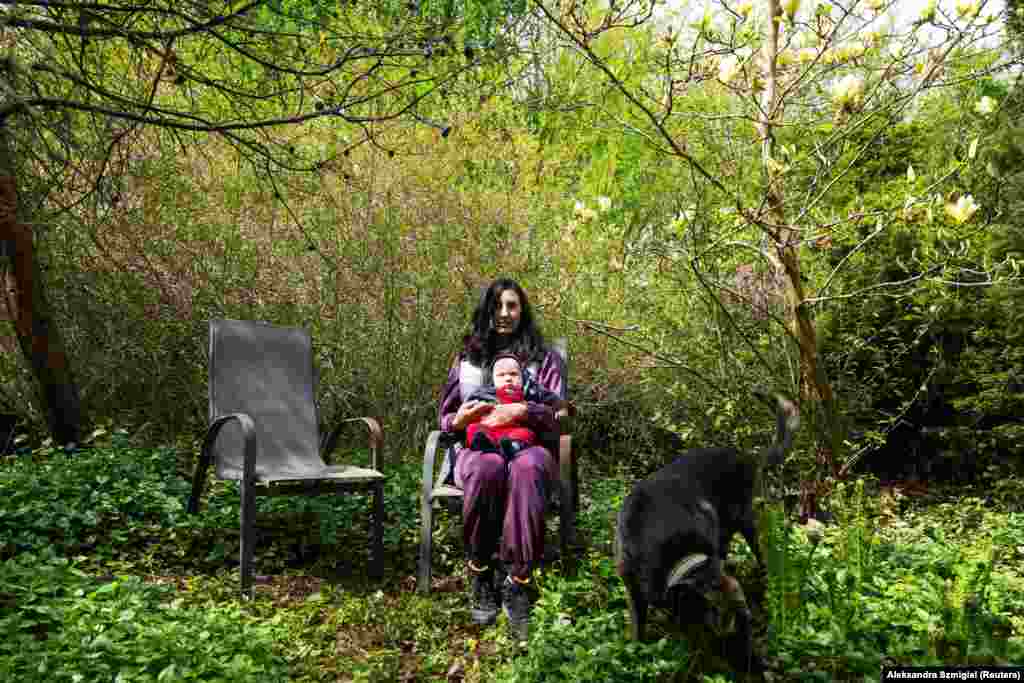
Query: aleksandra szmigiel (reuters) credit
point(952, 673)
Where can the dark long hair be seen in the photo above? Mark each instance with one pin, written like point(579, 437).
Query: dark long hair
point(481, 344)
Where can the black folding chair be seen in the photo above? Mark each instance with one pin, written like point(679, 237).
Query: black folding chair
point(264, 429)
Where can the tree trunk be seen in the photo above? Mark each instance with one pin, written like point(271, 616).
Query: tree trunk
point(38, 335)
point(814, 385)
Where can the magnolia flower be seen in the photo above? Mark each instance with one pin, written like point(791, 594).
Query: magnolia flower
point(775, 168)
point(875, 5)
point(852, 50)
point(873, 38)
point(928, 11)
point(584, 212)
point(604, 203)
point(728, 69)
point(745, 8)
point(829, 57)
point(986, 105)
point(962, 210)
point(790, 7)
point(848, 91)
point(806, 54)
point(815, 531)
point(968, 8)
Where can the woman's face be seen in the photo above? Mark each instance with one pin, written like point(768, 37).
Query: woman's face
point(507, 312)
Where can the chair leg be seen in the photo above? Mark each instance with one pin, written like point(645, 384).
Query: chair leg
point(247, 519)
point(569, 500)
point(198, 480)
point(567, 525)
point(377, 532)
point(426, 544)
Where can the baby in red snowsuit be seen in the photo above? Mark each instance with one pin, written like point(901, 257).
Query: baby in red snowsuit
point(511, 384)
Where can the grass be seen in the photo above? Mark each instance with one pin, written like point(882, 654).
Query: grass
point(104, 577)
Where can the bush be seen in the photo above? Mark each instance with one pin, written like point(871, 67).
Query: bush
point(879, 589)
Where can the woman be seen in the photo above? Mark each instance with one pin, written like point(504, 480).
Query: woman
point(503, 501)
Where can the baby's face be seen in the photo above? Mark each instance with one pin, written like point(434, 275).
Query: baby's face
point(507, 374)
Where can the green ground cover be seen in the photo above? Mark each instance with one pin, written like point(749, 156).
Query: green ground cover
point(103, 577)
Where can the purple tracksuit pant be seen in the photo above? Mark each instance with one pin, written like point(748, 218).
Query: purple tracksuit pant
point(506, 501)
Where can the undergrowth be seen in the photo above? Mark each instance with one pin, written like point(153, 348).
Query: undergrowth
point(105, 577)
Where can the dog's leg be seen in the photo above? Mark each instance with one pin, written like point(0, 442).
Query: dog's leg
point(742, 643)
point(637, 609)
point(634, 596)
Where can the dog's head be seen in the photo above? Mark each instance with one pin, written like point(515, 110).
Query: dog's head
point(691, 580)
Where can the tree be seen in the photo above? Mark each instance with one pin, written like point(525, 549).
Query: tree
point(82, 82)
point(774, 112)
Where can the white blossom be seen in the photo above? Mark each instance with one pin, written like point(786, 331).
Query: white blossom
point(962, 210)
point(848, 91)
point(986, 105)
point(968, 8)
point(728, 69)
point(815, 531)
point(806, 54)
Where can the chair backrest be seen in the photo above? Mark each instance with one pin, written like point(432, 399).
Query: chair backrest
point(265, 371)
point(561, 347)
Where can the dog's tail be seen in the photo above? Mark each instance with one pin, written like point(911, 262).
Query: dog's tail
point(787, 418)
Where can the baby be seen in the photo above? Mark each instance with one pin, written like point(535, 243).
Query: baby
point(510, 384)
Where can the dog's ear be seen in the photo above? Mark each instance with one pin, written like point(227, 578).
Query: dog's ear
point(687, 569)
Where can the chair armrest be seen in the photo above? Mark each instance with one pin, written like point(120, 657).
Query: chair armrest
point(329, 441)
point(568, 470)
point(429, 457)
point(206, 454)
point(564, 417)
point(437, 442)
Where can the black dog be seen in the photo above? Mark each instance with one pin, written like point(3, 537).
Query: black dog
point(675, 527)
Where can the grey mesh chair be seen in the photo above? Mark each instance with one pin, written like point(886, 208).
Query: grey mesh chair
point(264, 429)
point(436, 486)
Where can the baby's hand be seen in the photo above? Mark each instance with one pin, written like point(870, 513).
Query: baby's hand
point(470, 411)
point(505, 414)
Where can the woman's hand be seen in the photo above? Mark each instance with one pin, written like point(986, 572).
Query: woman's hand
point(505, 414)
point(470, 412)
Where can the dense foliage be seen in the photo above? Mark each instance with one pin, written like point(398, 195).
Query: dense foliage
point(69, 626)
point(625, 249)
point(837, 217)
point(148, 596)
